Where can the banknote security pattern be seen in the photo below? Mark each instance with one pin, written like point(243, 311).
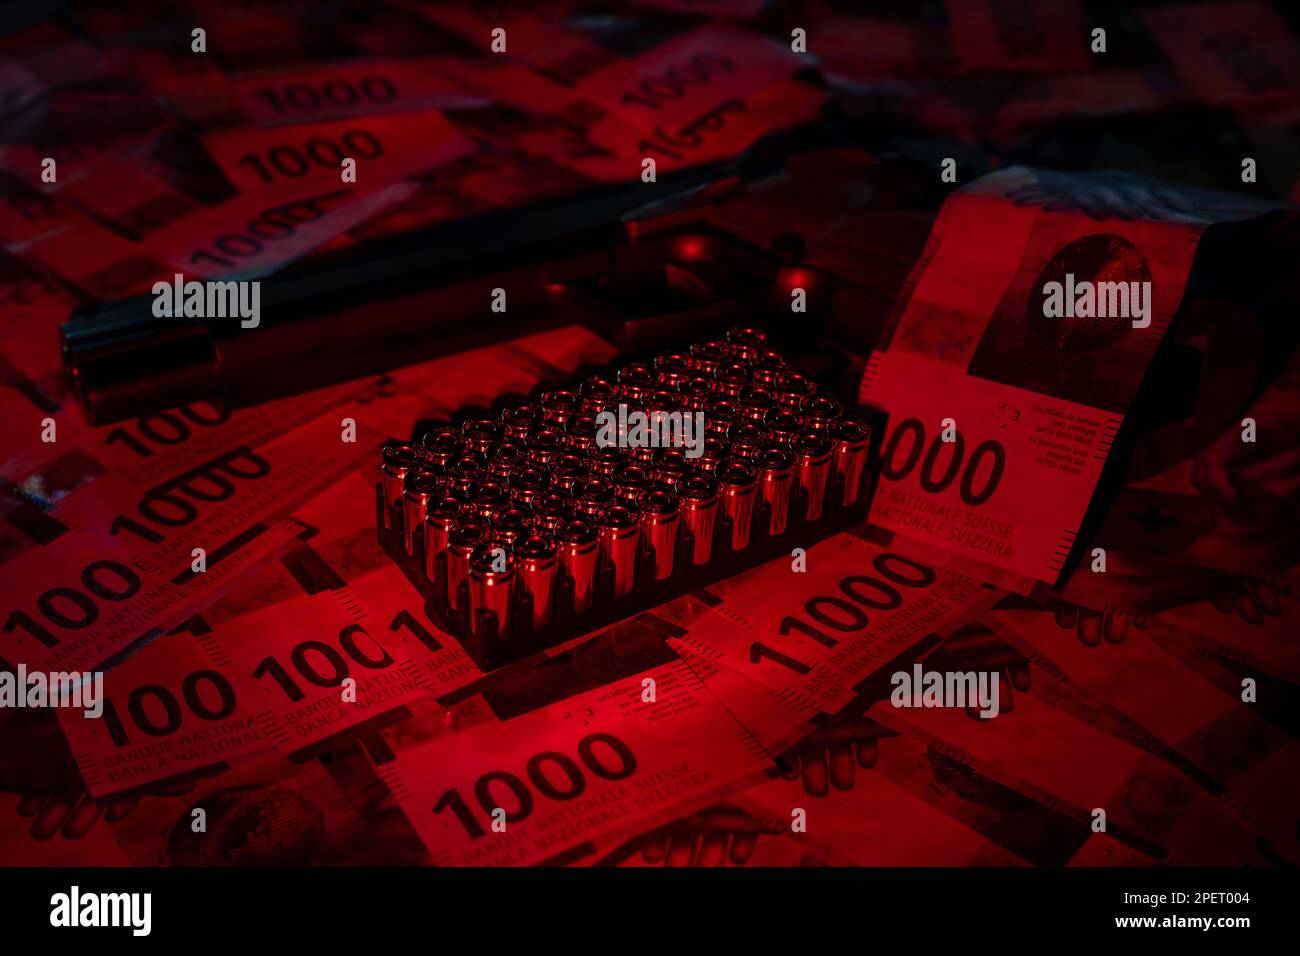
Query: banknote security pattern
point(541, 523)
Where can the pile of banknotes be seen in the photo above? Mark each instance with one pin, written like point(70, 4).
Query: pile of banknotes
point(1093, 513)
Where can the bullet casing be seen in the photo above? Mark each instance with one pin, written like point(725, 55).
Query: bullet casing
point(421, 486)
point(776, 485)
point(528, 483)
point(634, 381)
point(544, 444)
point(738, 492)
point(464, 473)
point(559, 405)
point(620, 537)
point(552, 511)
point(444, 444)
point(769, 366)
point(465, 535)
point(567, 470)
point(481, 434)
point(756, 402)
point(731, 379)
point(673, 369)
point(707, 356)
point(593, 495)
point(519, 420)
point(488, 497)
point(491, 585)
point(851, 439)
point(580, 432)
point(603, 462)
point(505, 457)
point(719, 415)
point(579, 547)
point(793, 388)
point(783, 425)
point(538, 561)
point(819, 412)
point(510, 523)
point(699, 507)
point(746, 438)
point(397, 458)
point(661, 524)
point(812, 455)
point(745, 341)
point(714, 452)
point(440, 517)
point(670, 465)
point(629, 481)
point(695, 392)
point(597, 393)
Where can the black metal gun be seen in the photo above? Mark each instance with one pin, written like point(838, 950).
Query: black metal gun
point(642, 265)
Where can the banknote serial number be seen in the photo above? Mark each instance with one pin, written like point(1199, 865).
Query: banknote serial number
point(287, 161)
point(613, 761)
point(846, 613)
point(339, 93)
point(268, 227)
point(166, 428)
point(991, 452)
point(156, 711)
point(676, 81)
point(173, 503)
point(70, 608)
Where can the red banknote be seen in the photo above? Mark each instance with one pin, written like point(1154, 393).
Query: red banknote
point(815, 636)
point(986, 35)
point(1078, 769)
point(347, 89)
point(1003, 408)
point(1239, 53)
point(1148, 692)
point(526, 790)
point(125, 565)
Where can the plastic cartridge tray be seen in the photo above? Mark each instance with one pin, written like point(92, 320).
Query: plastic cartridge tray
point(559, 517)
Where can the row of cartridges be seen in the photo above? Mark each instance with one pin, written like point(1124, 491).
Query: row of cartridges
point(561, 488)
